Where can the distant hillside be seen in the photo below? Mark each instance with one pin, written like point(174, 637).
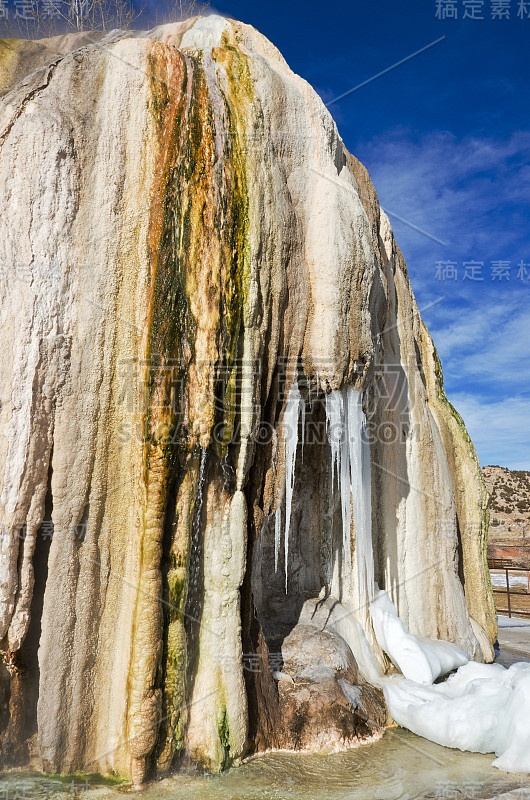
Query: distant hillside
point(509, 504)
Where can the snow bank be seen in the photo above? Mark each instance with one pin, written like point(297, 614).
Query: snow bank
point(516, 581)
point(484, 708)
point(512, 622)
point(420, 660)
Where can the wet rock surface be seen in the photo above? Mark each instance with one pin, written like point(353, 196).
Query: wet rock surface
point(324, 707)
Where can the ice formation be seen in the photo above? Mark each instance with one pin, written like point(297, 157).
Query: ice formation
point(360, 476)
point(484, 708)
point(336, 421)
point(295, 408)
point(350, 460)
point(277, 536)
point(420, 660)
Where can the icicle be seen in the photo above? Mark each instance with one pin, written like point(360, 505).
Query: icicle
point(344, 484)
point(294, 406)
point(368, 557)
point(360, 477)
point(334, 424)
point(350, 458)
point(277, 532)
point(302, 414)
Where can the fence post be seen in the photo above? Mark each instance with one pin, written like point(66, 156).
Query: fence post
point(508, 592)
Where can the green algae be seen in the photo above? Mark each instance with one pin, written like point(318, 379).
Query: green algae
point(10, 53)
point(187, 185)
point(444, 399)
point(238, 100)
point(223, 731)
point(91, 779)
point(200, 274)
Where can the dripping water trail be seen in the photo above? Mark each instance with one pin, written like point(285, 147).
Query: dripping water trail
point(166, 607)
point(193, 613)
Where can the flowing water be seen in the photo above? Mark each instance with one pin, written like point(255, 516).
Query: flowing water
point(400, 766)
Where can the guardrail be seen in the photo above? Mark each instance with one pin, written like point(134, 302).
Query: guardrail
point(506, 565)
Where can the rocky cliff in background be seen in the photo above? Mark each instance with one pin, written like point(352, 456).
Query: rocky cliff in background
point(509, 502)
point(191, 263)
point(509, 529)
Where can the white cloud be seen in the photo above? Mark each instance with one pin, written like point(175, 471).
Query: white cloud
point(486, 344)
point(500, 430)
point(469, 193)
point(473, 194)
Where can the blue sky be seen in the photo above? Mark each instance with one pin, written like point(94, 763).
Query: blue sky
point(446, 139)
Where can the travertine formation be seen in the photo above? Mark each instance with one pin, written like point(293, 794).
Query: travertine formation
point(182, 237)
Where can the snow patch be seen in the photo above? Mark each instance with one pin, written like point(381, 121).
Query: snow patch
point(512, 622)
point(205, 33)
point(483, 708)
point(420, 660)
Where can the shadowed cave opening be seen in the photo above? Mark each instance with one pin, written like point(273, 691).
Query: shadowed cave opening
point(314, 530)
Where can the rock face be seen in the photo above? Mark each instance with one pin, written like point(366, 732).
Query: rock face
point(509, 504)
point(191, 261)
point(509, 529)
point(324, 704)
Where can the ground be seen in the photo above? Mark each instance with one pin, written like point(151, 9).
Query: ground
point(513, 641)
